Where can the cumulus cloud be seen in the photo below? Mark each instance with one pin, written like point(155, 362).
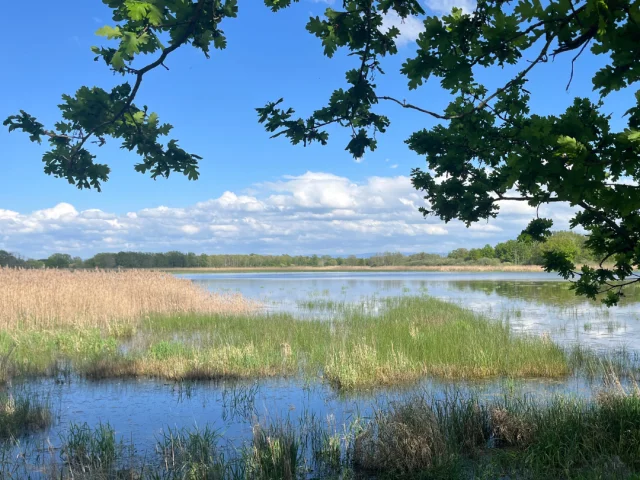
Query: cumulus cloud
point(316, 212)
point(442, 7)
point(409, 27)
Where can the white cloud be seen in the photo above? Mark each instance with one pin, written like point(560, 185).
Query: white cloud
point(190, 229)
point(316, 212)
point(442, 7)
point(409, 27)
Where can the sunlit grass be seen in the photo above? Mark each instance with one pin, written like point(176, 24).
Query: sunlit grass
point(410, 338)
point(416, 337)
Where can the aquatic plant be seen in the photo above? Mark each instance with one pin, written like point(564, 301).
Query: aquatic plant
point(275, 453)
point(90, 452)
point(409, 338)
point(191, 455)
point(22, 413)
point(514, 437)
point(441, 435)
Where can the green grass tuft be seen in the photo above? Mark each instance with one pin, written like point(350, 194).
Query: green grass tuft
point(23, 413)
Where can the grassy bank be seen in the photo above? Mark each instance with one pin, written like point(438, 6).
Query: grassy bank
point(409, 338)
point(451, 436)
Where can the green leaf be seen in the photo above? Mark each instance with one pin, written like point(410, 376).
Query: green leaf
point(109, 32)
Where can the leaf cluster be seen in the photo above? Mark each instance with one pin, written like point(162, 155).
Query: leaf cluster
point(357, 27)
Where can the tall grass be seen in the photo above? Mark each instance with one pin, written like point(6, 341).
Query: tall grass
point(275, 453)
point(192, 454)
point(414, 337)
point(90, 451)
point(44, 299)
point(458, 437)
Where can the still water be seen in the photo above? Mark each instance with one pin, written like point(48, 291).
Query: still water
point(537, 303)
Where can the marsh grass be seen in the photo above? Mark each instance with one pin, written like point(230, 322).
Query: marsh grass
point(192, 454)
point(275, 453)
point(413, 337)
point(188, 334)
point(410, 338)
point(88, 450)
point(22, 413)
point(621, 362)
point(515, 437)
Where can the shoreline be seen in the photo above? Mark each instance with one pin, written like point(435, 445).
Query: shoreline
point(444, 268)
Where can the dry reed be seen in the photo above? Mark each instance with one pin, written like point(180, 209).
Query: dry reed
point(41, 299)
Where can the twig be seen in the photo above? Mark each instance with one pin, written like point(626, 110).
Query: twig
point(573, 61)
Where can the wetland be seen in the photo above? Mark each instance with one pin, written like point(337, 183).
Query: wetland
point(315, 375)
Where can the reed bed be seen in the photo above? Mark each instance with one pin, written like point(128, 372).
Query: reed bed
point(45, 299)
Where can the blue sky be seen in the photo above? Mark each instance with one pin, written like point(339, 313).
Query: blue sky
point(255, 194)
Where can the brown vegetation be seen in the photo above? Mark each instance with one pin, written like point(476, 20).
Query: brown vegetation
point(40, 299)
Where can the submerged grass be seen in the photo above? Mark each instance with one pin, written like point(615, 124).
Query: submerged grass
point(409, 338)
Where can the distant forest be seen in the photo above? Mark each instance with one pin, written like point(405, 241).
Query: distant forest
point(510, 252)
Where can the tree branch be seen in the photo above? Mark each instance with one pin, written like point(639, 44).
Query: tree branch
point(528, 199)
point(573, 62)
point(404, 104)
point(140, 74)
point(540, 58)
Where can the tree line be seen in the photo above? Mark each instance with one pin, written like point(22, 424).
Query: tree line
point(516, 252)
